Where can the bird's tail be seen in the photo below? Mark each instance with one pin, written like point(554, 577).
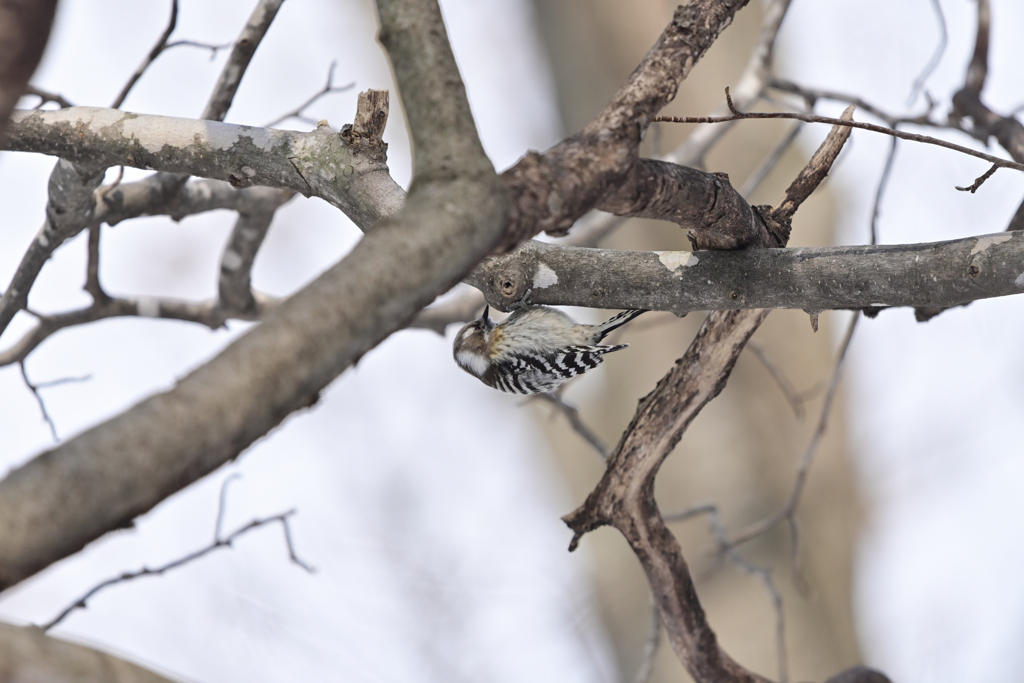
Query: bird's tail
point(617, 321)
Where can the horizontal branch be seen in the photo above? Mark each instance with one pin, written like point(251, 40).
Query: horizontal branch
point(321, 163)
point(811, 118)
point(931, 274)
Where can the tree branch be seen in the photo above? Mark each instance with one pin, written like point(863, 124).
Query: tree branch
point(28, 654)
point(811, 118)
point(457, 206)
point(624, 498)
point(551, 191)
point(320, 163)
point(238, 61)
point(945, 273)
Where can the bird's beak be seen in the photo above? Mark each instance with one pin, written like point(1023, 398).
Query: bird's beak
point(485, 319)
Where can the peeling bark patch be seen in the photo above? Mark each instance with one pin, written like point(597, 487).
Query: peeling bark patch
point(148, 307)
point(987, 241)
point(676, 260)
point(94, 118)
point(544, 277)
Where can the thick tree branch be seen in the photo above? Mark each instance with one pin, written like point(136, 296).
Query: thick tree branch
point(822, 278)
point(28, 654)
point(457, 206)
point(320, 163)
point(624, 498)
point(238, 61)
point(551, 191)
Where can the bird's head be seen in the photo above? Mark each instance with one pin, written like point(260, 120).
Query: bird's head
point(472, 345)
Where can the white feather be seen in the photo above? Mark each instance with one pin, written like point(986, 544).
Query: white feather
point(474, 362)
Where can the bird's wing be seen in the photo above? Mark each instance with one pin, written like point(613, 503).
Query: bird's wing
point(540, 372)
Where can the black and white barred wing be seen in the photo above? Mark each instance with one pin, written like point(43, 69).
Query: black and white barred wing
point(538, 373)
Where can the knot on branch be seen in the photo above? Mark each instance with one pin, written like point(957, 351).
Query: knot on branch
point(505, 280)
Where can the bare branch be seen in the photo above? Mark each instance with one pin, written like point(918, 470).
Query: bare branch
point(153, 449)
point(789, 509)
point(328, 89)
point(936, 56)
point(238, 61)
point(28, 654)
point(749, 87)
point(319, 163)
point(572, 414)
point(643, 672)
point(947, 273)
point(551, 200)
point(810, 118)
point(880, 190)
point(226, 542)
point(812, 95)
point(207, 313)
point(34, 388)
point(70, 203)
point(157, 49)
point(624, 498)
point(250, 229)
point(793, 397)
point(45, 97)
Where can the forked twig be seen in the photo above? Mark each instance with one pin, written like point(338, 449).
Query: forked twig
point(328, 89)
point(34, 388)
point(218, 542)
point(788, 510)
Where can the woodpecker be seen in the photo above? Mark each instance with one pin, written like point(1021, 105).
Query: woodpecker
point(534, 350)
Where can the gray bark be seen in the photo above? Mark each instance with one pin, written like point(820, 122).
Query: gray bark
point(938, 274)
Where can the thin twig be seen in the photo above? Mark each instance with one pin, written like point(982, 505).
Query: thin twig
point(769, 163)
point(793, 397)
point(222, 504)
point(788, 510)
point(34, 388)
point(46, 96)
point(737, 115)
point(643, 672)
point(572, 414)
point(328, 89)
point(936, 56)
point(161, 45)
point(883, 182)
point(242, 51)
point(218, 542)
point(214, 48)
point(812, 95)
point(729, 551)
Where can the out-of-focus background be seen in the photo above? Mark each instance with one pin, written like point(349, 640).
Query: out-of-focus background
point(428, 503)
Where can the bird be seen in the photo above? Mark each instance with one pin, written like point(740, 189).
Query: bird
point(534, 350)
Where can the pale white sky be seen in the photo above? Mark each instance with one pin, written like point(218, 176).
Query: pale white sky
point(397, 509)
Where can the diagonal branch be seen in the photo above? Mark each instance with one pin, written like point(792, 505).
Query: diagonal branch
point(454, 215)
point(28, 654)
point(624, 498)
